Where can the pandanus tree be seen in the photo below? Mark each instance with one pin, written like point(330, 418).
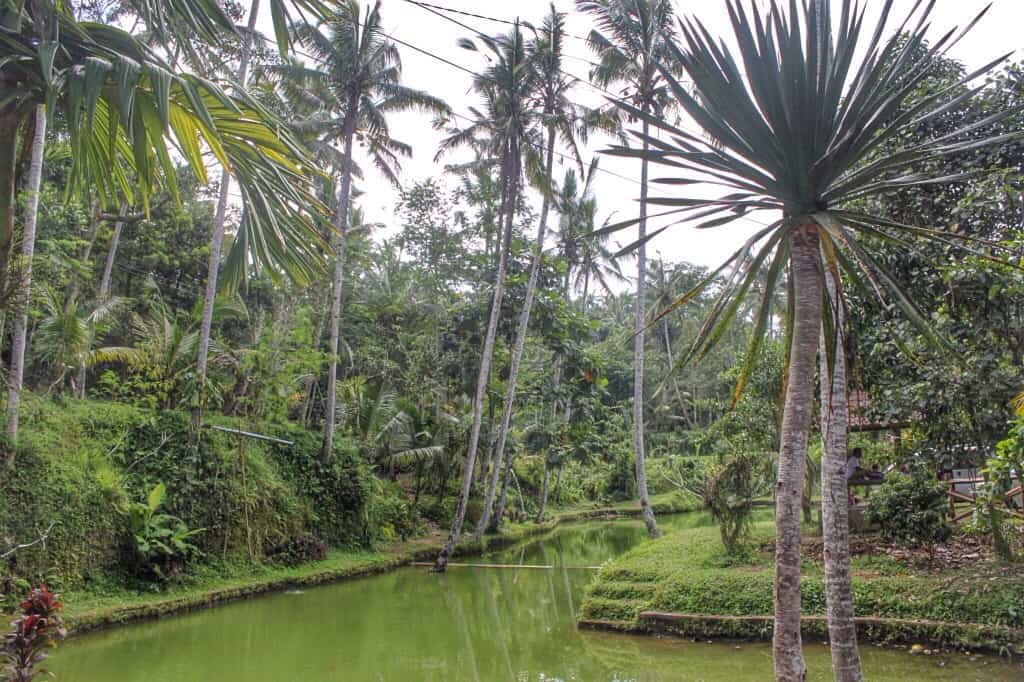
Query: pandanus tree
point(508, 128)
point(124, 108)
point(798, 116)
point(632, 41)
point(564, 121)
point(359, 81)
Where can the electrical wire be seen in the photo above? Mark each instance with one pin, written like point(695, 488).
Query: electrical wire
point(481, 76)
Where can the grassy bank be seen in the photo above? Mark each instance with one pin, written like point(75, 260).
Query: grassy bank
point(270, 513)
point(683, 584)
point(105, 605)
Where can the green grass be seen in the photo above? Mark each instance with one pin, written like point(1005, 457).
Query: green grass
point(687, 572)
point(664, 503)
point(110, 602)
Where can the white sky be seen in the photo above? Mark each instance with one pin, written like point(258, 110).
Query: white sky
point(999, 32)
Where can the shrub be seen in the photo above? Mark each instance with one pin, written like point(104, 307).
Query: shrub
point(301, 549)
point(621, 481)
point(389, 514)
point(910, 509)
point(337, 491)
point(161, 541)
point(37, 628)
point(78, 467)
point(729, 490)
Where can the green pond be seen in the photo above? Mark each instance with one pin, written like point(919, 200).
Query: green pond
point(468, 624)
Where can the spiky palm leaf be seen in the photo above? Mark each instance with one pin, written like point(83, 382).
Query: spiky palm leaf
point(798, 125)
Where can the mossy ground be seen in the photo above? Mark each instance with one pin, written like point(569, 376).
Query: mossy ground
point(688, 572)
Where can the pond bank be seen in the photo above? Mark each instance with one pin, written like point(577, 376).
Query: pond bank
point(94, 609)
point(683, 585)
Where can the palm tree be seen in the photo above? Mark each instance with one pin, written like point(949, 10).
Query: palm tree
point(66, 335)
point(802, 132)
point(217, 232)
point(121, 104)
point(165, 343)
point(584, 245)
point(507, 128)
point(632, 43)
point(586, 255)
point(360, 84)
point(664, 289)
point(28, 241)
point(561, 119)
point(835, 522)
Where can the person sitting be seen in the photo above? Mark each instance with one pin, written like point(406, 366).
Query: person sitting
point(855, 475)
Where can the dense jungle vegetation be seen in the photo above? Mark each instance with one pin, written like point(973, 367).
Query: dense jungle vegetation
point(214, 359)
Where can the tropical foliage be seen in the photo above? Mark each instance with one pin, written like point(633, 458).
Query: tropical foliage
point(485, 350)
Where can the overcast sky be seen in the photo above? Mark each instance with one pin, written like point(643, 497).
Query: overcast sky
point(998, 33)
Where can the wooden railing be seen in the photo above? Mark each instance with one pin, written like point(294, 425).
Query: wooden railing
point(953, 496)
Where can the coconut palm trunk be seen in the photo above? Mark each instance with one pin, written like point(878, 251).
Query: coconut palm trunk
point(84, 254)
point(217, 239)
point(338, 247)
point(543, 493)
point(517, 348)
point(556, 381)
point(28, 241)
point(9, 125)
point(103, 292)
point(510, 175)
point(834, 512)
point(796, 422)
point(639, 322)
point(318, 339)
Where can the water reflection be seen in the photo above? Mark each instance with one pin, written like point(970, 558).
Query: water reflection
point(469, 624)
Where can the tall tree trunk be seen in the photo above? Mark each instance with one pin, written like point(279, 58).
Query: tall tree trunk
point(834, 513)
point(517, 347)
point(217, 240)
point(28, 245)
point(510, 173)
point(672, 364)
point(311, 383)
point(499, 507)
point(638, 357)
point(586, 288)
point(796, 422)
point(339, 239)
point(556, 381)
point(9, 124)
point(543, 493)
point(84, 253)
point(103, 293)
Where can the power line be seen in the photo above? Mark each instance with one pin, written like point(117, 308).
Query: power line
point(607, 93)
point(507, 22)
point(434, 9)
point(488, 78)
point(473, 29)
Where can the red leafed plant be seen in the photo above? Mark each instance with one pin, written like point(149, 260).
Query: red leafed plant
point(37, 628)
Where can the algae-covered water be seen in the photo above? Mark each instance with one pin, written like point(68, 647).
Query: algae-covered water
point(474, 624)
